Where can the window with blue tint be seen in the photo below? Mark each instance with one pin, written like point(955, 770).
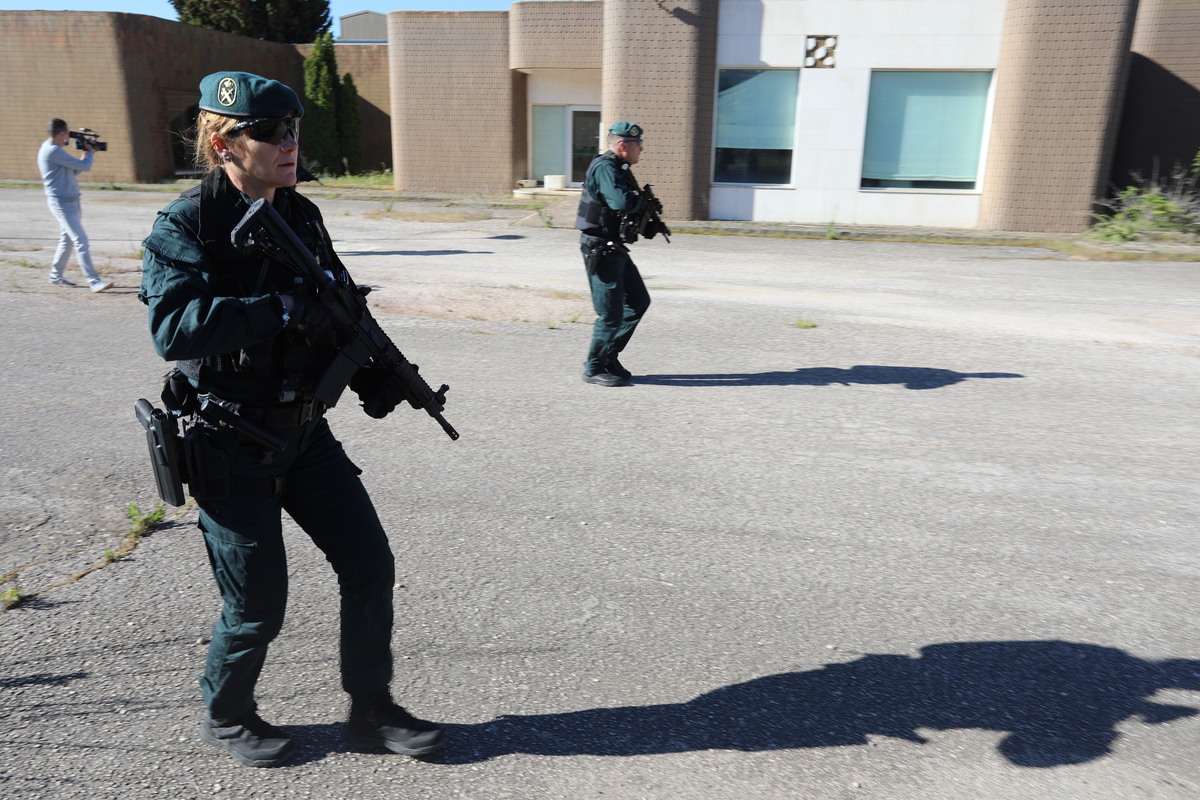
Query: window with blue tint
point(756, 125)
point(924, 129)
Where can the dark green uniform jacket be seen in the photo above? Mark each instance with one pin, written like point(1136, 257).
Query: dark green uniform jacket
point(609, 192)
point(214, 310)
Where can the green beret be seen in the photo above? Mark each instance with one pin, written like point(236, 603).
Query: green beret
point(241, 94)
point(630, 130)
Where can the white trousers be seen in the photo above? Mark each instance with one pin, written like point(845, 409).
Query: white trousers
point(69, 213)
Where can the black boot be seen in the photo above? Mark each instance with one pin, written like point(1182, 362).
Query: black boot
point(614, 366)
point(376, 721)
point(250, 740)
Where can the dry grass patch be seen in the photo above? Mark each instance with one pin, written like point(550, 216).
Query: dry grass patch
point(481, 303)
point(429, 216)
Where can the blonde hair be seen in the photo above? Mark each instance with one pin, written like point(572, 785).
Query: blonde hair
point(208, 123)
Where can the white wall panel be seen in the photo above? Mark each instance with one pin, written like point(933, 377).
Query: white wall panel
point(567, 87)
point(832, 108)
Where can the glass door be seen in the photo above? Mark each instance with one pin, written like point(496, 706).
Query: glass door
point(585, 142)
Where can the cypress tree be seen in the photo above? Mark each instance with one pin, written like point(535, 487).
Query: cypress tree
point(319, 141)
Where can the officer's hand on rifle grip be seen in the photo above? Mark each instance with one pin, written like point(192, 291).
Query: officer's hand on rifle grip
point(308, 319)
point(379, 391)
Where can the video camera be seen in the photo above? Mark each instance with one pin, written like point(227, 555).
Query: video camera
point(87, 135)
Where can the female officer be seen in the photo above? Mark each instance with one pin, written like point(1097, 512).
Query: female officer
point(249, 335)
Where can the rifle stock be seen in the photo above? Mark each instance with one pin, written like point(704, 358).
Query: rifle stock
point(261, 228)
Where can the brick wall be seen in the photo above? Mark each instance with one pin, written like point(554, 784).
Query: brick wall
point(62, 64)
point(160, 56)
point(659, 71)
point(110, 72)
point(563, 34)
point(368, 63)
point(1060, 85)
point(457, 109)
point(1160, 125)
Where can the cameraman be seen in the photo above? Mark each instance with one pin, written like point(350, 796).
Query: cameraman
point(58, 168)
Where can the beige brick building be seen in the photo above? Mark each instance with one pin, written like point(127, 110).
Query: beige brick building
point(135, 79)
point(995, 114)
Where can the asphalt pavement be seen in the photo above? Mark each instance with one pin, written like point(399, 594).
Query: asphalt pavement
point(874, 520)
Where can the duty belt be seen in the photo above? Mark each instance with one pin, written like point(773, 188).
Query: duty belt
point(289, 416)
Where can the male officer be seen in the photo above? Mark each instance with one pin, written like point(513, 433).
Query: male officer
point(619, 296)
point(58, 169)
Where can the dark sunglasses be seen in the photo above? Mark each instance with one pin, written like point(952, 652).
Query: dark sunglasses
point(272, 130)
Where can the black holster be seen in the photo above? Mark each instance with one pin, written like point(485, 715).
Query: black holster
point(178, 459)
point(591, 258)
point(167, 451)
point(597, 251)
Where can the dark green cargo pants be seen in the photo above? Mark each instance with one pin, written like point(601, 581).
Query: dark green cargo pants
point(243, 533)
point(620, 298)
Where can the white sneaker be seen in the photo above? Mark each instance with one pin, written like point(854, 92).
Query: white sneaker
point(102, 286)
point(61, 282)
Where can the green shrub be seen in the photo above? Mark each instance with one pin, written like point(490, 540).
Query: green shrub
point(1150, 208)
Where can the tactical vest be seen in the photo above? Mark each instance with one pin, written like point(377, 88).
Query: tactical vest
point(282, 366)
point(594, 217)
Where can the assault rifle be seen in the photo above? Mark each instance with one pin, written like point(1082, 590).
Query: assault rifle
point(646, 222)
point(263, 229)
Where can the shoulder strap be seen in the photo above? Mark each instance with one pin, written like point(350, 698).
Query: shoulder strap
point(192, 195)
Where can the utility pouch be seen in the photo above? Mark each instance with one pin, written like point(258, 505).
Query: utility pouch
point(209, 466)
point(178, 396)
point(166, 451)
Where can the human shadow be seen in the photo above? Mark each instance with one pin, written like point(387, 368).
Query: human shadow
point(1056, 703)
point(41, 679)
point(865, 374)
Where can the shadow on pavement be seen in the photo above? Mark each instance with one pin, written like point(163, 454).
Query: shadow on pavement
point(911, 377)
point(42, 679)
point(1056, 702)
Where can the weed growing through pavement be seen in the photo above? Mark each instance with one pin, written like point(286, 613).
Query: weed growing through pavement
point(11, 595)
point(803, 323)
point(141, 523)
